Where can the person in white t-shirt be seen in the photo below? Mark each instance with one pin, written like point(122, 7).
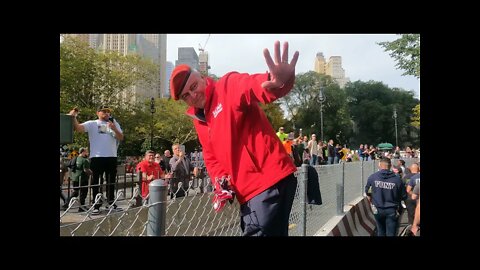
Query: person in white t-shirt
point(104, 135)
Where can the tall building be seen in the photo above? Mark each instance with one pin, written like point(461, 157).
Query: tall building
point(154, 47)
point(122, 43)
point(169, 70)
point(332, 68)
point(162, 46)
point(203, 62)
point(187, 55)
point(150, 46)
point(319, 63)
point(94, 40)
point(91, 39)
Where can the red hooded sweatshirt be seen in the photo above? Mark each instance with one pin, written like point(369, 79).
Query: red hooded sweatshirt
point(236, 136)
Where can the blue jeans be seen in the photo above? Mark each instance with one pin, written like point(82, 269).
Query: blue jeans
point(335, 160)
point(330, 160)
point(313, 160)
point(387, 221)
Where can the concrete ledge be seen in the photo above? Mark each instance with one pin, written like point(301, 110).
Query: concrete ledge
point(358, 220)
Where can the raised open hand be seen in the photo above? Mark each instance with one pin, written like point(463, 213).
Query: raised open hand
point(280, 70)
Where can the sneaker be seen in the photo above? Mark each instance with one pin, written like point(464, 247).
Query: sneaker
point(115, 208)
point(65, 206)
point(96, 211)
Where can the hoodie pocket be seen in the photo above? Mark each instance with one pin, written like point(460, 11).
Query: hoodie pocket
point(248, 161)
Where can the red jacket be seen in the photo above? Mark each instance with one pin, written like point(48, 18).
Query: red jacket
point(150, 169)
point(236, 136)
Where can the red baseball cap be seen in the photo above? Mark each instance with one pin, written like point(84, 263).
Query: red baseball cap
point(178, 79)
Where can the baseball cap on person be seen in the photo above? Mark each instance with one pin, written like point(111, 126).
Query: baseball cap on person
point(178, 79)
point(103, 108)
point(81, 150)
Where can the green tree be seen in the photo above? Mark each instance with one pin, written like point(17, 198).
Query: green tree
point(274, 113)
point(171, 122)
point(337, 121)
point(415, 120)
point(301, 103)
point(303, 106)
point(406, 52)
point(371, 106)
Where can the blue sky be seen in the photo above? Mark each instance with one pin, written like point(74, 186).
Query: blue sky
point(362, 58)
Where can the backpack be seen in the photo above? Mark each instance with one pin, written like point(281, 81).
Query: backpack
point(72, 164)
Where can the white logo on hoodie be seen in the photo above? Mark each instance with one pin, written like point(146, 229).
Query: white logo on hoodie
point(217, 110)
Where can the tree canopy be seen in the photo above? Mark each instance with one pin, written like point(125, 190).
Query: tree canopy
point(406, 52)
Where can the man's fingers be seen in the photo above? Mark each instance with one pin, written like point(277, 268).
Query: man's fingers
point(294, 59)
point(276, 52)
point(274, 67)
point(268, 59)
point(285, 52)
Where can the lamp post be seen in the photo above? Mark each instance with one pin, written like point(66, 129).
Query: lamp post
point(321, 98)
point(395, 117)
point(152, 111)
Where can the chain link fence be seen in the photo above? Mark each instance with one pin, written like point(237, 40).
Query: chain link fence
point(193, 214)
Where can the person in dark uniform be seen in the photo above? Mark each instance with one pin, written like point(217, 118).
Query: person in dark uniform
point(80, 178)
point(387, 192)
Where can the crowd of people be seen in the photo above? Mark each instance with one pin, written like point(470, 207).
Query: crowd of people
point(316, 152)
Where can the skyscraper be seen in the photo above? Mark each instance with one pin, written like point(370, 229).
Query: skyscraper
point(187, 55)
point(91, 39)
point(169, 70)
point(203, 62)
point(154, 47)
point(320, 63)
point(332, 68)
point(122, 43)
point(150, 46)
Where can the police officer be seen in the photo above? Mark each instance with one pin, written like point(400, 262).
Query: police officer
point(388, 190)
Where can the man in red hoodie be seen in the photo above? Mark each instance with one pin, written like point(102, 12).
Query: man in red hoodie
point(242, 153)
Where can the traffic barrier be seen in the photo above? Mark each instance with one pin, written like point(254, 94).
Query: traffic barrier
point(358, 220)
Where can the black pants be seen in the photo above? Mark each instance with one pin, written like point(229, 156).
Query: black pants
point(80, 188)
point(62, 196)
point(411, 205)
point(267, 213)
point(177, 192)
point(99, 166)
